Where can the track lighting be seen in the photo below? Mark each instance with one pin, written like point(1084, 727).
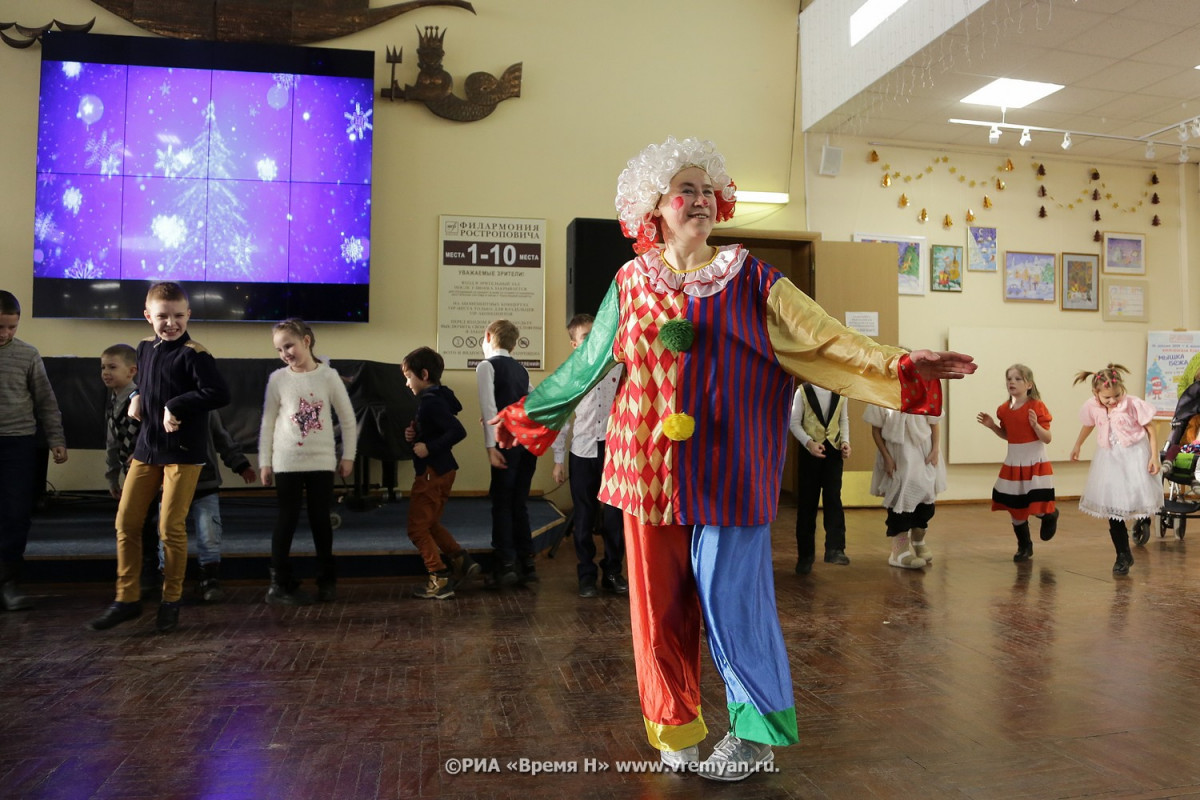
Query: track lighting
point(1183, 132)
point(1196, 128)
point(994, 135)
point(1066, 142)
point(1149, 150)
point(1183, 154)
point(1025, 137)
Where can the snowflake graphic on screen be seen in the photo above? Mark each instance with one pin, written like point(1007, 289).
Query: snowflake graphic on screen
point(360, 122)
point(268, 170)
point(72, 69)
point(353, 249)
point(104, 153)
point(308, 418)
point(72, 199)
point(170, 230)
point(83, 269)
point(172, 163)
point(241, 252)
point(44, 227)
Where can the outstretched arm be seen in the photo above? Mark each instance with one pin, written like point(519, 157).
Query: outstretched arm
point(1084, 433)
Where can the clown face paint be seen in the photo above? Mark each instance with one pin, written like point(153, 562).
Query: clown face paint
point(689, 207)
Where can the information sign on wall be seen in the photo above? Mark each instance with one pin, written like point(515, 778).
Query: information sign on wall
point(491, 268)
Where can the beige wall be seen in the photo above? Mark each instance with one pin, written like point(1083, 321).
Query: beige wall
point(600, 82)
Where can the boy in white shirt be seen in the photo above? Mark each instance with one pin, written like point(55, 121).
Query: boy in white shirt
point(586, 470)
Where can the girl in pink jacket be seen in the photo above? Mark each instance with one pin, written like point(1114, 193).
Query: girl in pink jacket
point(1121, 482)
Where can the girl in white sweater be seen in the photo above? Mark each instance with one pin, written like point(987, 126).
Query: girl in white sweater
point(297, 454)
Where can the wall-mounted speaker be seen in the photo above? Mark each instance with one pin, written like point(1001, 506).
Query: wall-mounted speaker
point(596, 249)
point(831, 160)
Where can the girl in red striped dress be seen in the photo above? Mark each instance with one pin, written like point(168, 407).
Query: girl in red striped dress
point(1025, 487)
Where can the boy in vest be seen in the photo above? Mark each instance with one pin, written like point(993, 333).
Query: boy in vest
point(821, 422)
point(502, 381)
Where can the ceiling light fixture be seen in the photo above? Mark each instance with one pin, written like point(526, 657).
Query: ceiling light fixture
point(1025, 137)
point(1196, 128)
point(1183, 154)
point(1010, 93)
point(1183, 132)
point(1147, 140)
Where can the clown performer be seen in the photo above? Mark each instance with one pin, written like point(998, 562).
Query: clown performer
point(712, 340)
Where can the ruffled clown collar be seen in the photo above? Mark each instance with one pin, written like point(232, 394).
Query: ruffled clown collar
point(702, 282)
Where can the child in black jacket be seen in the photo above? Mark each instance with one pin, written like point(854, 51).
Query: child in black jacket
point(433, 433)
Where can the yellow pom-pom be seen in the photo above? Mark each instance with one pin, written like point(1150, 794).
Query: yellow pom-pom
point(678, 427)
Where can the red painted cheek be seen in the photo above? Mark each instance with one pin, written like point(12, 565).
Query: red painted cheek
point(677, 202)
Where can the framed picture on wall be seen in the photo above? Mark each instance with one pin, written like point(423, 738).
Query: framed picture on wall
point(945, 268)
point(1080, 282)
point(981, 250)
point(910, 260)
point(1124, 300)
point(1124, 254)
point(1030, 277)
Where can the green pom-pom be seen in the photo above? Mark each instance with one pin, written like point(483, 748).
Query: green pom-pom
point(677, 335)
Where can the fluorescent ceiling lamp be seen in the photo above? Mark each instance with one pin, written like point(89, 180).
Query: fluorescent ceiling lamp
point(1011, 93)
point(772, 198)
point(870, 15)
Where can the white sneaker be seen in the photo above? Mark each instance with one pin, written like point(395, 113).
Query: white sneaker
point(679, 759)
point(734, 759)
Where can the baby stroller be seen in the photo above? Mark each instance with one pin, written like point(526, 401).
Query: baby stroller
point(1181, 484)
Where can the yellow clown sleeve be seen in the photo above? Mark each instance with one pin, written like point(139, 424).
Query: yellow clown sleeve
point(813, 346)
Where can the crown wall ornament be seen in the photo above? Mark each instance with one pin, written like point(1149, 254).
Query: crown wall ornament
point(435, 86)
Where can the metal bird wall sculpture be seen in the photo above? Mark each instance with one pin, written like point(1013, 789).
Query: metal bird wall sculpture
point(435, 86)
point(264, 21)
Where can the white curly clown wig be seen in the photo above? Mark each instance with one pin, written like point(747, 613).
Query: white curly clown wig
point(649, 175)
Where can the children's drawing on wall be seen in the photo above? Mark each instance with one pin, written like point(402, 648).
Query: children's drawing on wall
point(1080, 291)
point(1124, 254)
point(910, 265)
point(981, 249)
point(1029, 276)
point(945, 268)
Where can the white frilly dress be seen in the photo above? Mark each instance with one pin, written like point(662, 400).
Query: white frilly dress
point(908, 437)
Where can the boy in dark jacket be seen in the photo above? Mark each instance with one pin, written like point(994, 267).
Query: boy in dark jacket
point(435, 430)
point(178, 384)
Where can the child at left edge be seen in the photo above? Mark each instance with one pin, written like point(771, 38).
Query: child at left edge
point(433, 432)
point(27, 399)
point(1120, 482)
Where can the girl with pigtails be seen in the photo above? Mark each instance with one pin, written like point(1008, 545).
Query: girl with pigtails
point(1121, 482)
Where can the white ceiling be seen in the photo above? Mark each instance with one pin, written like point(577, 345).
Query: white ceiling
point(1128, 67)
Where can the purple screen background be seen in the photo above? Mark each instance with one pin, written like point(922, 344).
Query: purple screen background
point(155, 173)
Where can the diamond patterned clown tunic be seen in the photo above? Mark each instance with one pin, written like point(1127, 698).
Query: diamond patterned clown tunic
point(698, 434)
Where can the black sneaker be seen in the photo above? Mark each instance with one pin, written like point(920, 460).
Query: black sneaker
point(528, 572)
point(1050, 526)
point(587, 588)
point(115, 614)
point(803, 566)
point(282, 596)
point(838, 557)
point(167, 618)
point(615, 584)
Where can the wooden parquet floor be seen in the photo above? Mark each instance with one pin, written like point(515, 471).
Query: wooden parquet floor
point(974, 678)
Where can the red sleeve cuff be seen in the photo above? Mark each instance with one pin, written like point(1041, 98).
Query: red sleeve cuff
point(917, 395)
point(517, 428)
